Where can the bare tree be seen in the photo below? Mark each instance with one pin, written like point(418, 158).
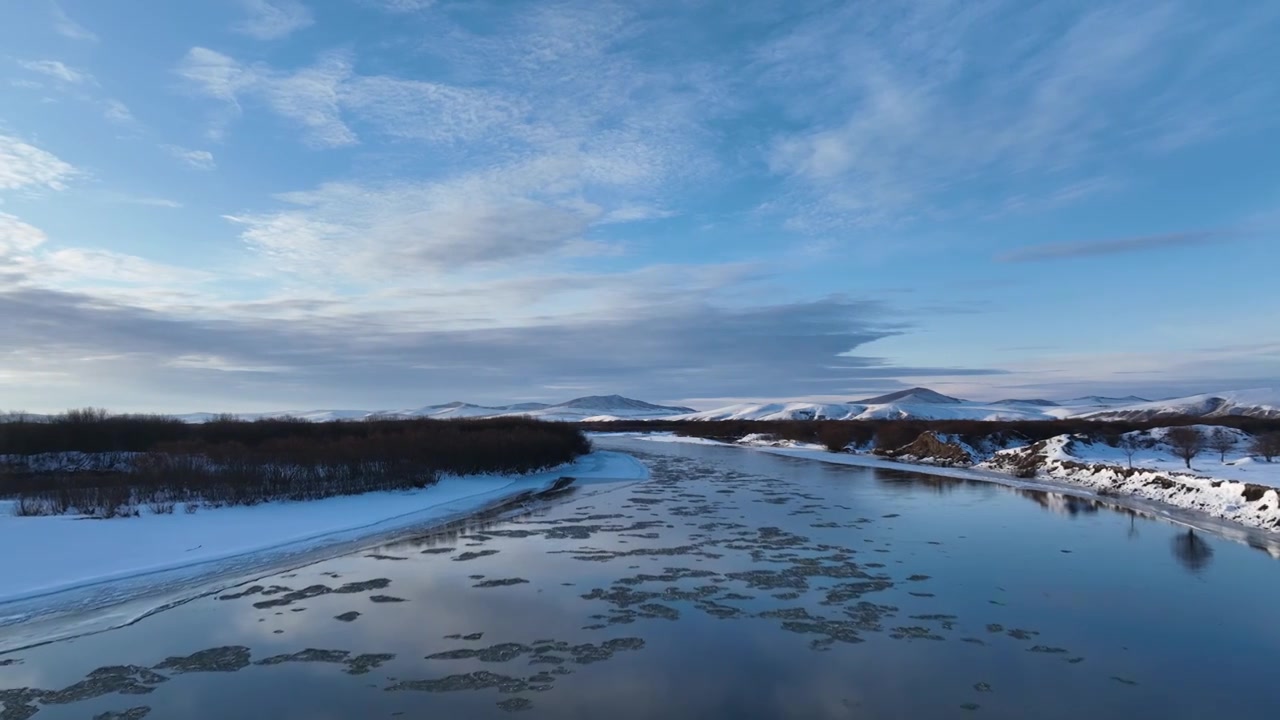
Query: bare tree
point(1222, 442)
point(1130, 444)
point(1187, 442)
point(1267, 445)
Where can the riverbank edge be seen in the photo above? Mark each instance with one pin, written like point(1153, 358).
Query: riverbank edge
point(1188, 517)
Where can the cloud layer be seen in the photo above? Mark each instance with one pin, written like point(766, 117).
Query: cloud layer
point(358, 202)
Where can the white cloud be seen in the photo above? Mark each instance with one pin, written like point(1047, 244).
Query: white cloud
point(904, 107)
point(17, 237)
point(27, 261)
point(117, 112)
point(155, 202)
point(309, 97)
point(318, 96)
point(272, 19)
point(198, 159)
point(215, 74)
point(69, 28)
point(81, 265)
point(146, 200)
point(554, 80)
point(402, 6)
point(430, 111)
point(367, 232)
point(635, 213)
point(57, 70)
point(23, 165)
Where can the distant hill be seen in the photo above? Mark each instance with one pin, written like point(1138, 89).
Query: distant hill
point(925, 404)
point(1257, 403)
point(1034, 401)
point(1103, 400)
point(617, 403)
point(911, 404)
point(912, 395)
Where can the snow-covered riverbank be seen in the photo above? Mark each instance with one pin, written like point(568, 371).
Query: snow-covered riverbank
point(1094, 471)
point(52, 560)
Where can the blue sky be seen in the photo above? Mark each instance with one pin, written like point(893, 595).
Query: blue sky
point(266, 204)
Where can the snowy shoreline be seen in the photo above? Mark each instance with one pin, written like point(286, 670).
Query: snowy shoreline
point(1193, 510)
point(66, 564)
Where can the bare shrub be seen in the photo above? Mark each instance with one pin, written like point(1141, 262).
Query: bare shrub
point(891, 436)
point(1222, 442)
point(1266, 445)
point(1130, 444)
point(32, 507)
point(836, 436)
point(232, 462)
point(1187, 442)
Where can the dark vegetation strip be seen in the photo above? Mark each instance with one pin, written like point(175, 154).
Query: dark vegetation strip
point(890, 435)
point(160, 462)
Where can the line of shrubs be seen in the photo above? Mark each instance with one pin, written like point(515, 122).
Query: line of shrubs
point(836, 435)
point(167, 464)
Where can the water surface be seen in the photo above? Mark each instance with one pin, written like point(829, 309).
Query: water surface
point(732, 585)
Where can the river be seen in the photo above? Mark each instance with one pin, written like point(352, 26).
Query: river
point(733, 584)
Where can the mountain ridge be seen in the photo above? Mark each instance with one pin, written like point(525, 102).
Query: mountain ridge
point(909, 404)
point(911, 395)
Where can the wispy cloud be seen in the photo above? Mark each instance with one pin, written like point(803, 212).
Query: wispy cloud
point(198, 159)
point(309, 97)
point(17, 238)
point(117, 112)
point(503, 215)
point(23, 166)
point(1113, 246)
point(145, 200)
point(556, 78)
point(56, 70)
point(273, 19)
point(402, 6)
point(907, 107)
point(69, 28)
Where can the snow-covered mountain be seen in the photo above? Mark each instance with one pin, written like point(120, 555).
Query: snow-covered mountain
point(593, 407)
point(1100, 400)
point(961, 410)
point(925, 404)
point(912, 396)
point(1032, 401)
point(914, 403)
point(604, 408)
point(617, 403)
point(777, 411)
point(911, 404)
point(1259, 403)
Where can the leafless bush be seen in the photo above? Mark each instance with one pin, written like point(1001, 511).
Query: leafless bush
point(1222, 442)
point(1130, 444)
point(836, 437)
point(1266, 445)
point(32, 507)
point(1186, 442)
point(244, 463)
point(891, 436)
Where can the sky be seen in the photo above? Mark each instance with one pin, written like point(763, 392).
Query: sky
point(256, 205)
